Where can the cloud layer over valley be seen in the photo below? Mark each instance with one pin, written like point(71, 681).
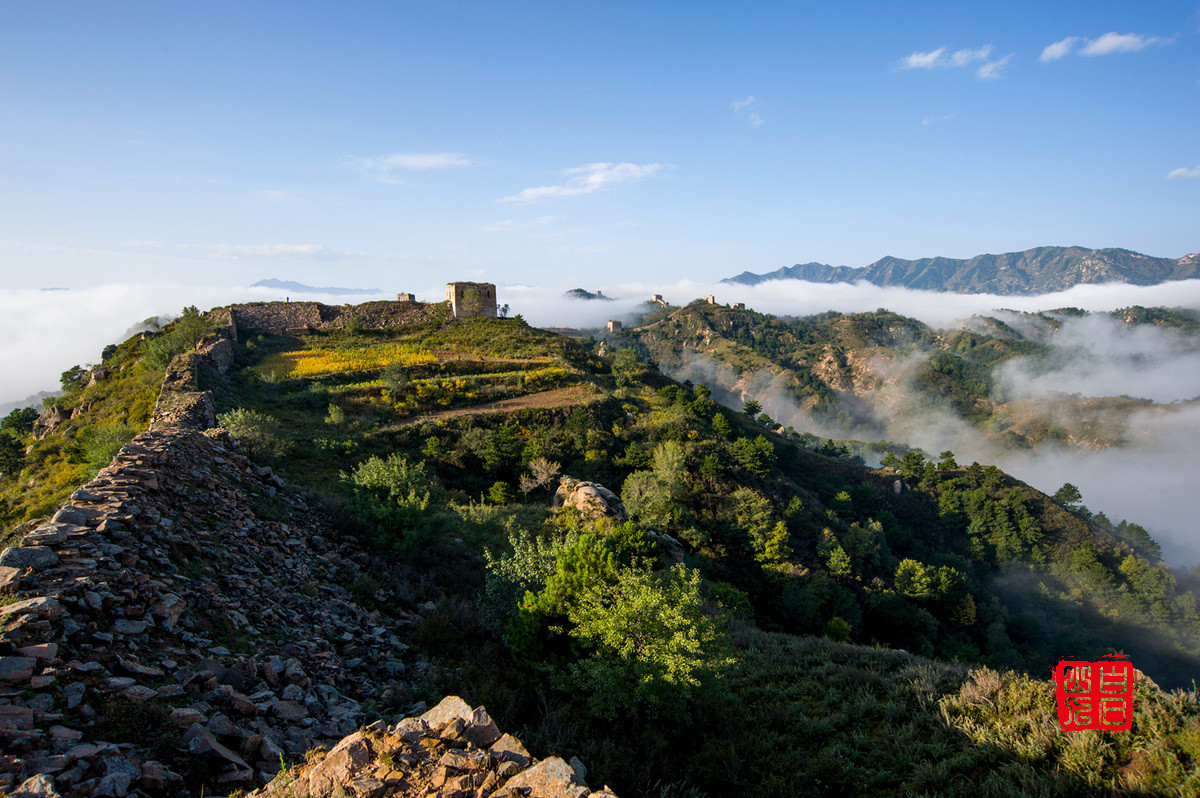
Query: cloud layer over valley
point(1152, 481)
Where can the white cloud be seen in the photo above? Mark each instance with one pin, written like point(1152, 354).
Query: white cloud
point(991, 70)
point(942, 58)
point(933, 120)
point(1059, 49)
point(1107, 44)
point(587, 179)
point(961, 58)
point(1184, 173)
point(924, 60)
point(417, 161)
point(506, 225)
point(1119, 43)
point(753, 117)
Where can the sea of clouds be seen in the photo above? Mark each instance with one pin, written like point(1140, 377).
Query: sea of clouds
point(1153, 481)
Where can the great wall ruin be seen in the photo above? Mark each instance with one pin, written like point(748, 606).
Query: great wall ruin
point(183, 624)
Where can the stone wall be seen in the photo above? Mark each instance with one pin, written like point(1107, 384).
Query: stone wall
point(277, 317)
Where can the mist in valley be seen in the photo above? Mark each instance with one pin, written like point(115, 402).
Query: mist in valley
point(1152, 480)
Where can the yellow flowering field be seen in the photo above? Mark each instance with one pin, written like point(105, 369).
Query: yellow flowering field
point(303, 363)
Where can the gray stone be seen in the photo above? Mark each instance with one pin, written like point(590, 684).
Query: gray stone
point(73, 693)
point(39, 605)
point(289, 710)
point(199, 740)
point(124, 626)
point(114, 785)
point(16, 669)
point(38, 558)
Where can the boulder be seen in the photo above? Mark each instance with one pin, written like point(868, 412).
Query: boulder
point(37, 558)
point(550, 778)
point(591, 499)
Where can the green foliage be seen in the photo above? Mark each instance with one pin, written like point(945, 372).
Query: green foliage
point(336, 415)
point(392, 497)
point(651, 640)
point(12, 453)
point(756, 456)
point(257, 433)
point(179, 336)
point(19, 422)
point(501, 493)
point(1068, 495)
point(647, 497)
point(751, 408)
point(100, 444)
point(625, 366)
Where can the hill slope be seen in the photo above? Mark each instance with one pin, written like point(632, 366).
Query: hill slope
point(1033, 271)
point(417, 556)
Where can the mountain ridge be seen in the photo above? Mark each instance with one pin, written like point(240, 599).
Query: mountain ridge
point(1037, 270)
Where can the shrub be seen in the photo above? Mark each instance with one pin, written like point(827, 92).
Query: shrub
point(653, 643)
point(257, 433)
point(101, 444)
point(392, 497)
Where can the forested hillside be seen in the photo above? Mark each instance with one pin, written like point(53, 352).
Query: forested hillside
point(871, 375)
point(760, 614)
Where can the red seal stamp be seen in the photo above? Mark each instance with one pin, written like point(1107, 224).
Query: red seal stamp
point(1095, 695)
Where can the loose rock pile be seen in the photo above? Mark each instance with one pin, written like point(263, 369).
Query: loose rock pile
point(451, 751)
point(185, 621)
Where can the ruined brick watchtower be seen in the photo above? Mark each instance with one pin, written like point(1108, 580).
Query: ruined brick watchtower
point(471, 299)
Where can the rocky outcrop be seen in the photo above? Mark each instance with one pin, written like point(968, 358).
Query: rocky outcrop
point(591, 499)
point(451, 751)
point(185, 621)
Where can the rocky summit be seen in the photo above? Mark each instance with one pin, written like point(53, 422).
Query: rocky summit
point(182, 621)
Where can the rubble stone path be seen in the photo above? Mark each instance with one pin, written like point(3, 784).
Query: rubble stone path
point(182, 626)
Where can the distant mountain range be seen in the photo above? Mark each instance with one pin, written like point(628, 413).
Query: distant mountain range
point(1034, 271)
point(301, 288)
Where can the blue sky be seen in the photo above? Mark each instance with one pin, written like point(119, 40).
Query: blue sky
point(402, 144)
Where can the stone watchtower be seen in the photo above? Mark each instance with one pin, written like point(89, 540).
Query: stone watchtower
point(471, 299)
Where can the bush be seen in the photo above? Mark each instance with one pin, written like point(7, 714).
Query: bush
point(392, 497)
point(182, 335)
point(257, 433)
point(101, 444)
point(653, 643)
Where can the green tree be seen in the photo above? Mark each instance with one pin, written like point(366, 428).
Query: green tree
point(653, 643)
point(915, 579)
point(501, 493)
point(1068, 495)
point(648, 497)
point(720, 426)
point(625, 366)
point(12, 453)
point(20, 421)
point(756, 456)
point(392, 497)
point(751, 408)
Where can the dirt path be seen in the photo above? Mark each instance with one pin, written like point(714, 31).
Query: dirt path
point(559, 397)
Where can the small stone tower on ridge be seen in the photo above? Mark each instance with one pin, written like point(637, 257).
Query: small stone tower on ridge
point(471, 299)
